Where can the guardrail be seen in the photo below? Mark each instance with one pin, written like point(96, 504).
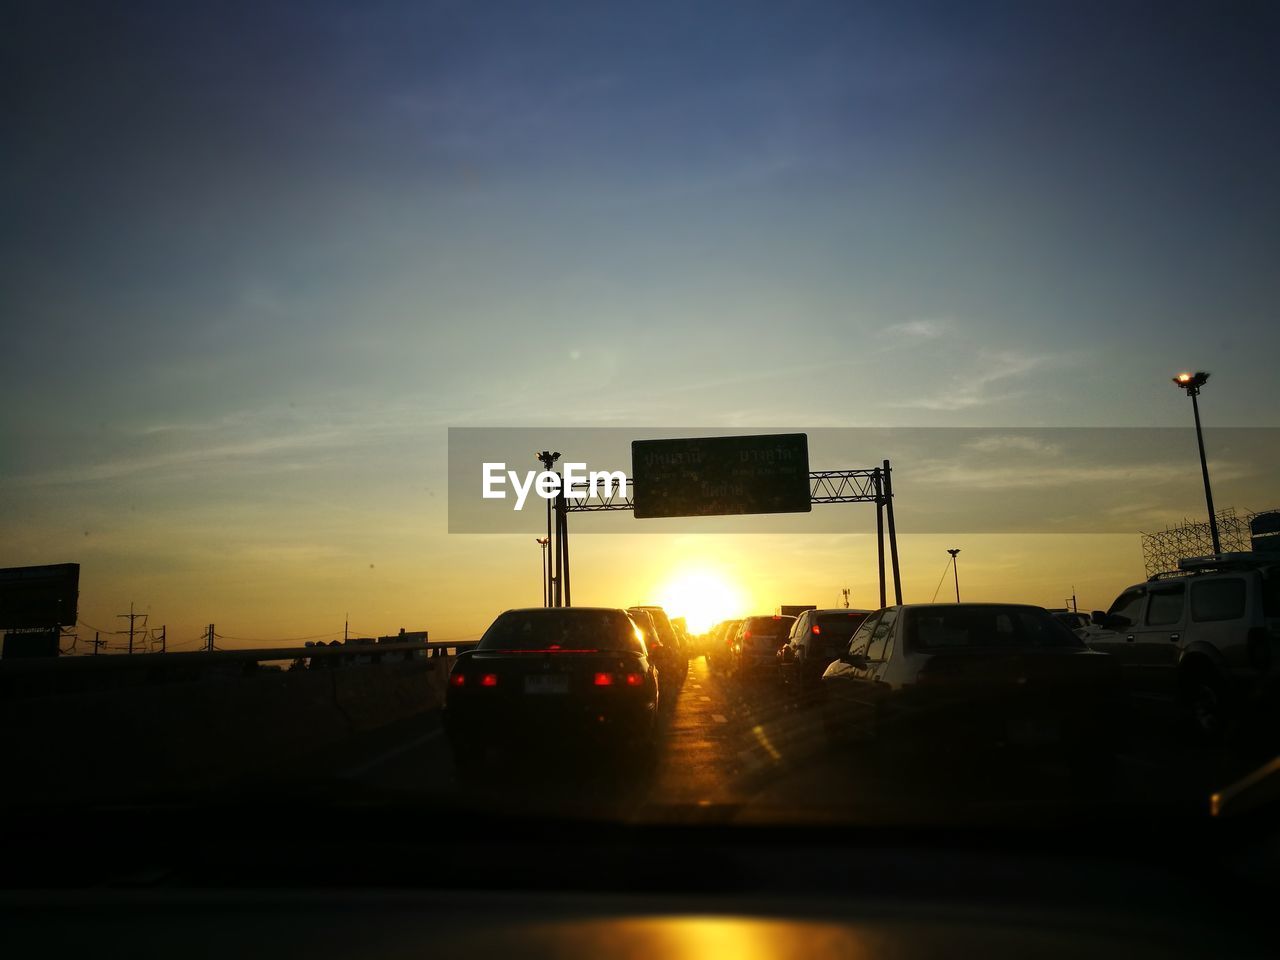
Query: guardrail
point(50, 675)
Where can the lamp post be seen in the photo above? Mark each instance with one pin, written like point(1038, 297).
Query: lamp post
point(548, 458)
point(546, 587)
point(1192, 382)
point(955, 570)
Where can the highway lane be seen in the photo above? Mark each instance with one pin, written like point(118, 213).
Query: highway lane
point(746, 751)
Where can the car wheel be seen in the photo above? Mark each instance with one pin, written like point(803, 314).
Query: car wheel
point(1203, 705)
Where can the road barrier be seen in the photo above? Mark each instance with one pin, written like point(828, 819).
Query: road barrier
point(115, 728)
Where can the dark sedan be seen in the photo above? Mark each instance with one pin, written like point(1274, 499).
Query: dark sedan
point(961, 678)
point(553, 678)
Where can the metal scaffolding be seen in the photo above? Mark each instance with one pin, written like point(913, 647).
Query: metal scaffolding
point(1161, 551)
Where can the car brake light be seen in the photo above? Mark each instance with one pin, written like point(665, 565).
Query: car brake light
point(635, 679)
point(816, 629)
point(458, 680)
point(603, 680)
point(746, 634)
point(489, 680)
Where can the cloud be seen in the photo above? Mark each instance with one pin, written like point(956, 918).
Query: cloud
point(1005, 443)
point(974, 388)
point(925, 328)
point(1022, 476)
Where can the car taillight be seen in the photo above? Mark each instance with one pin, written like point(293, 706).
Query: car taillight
point(635, 679)
point(489, 680)
point(603, 680)
point(746, 634)
point(458, 680)
point(816, 629)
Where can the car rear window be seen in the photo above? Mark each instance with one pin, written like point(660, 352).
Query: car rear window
point(768, 626)
point(564, 630)
point(943, 628)
point(662, 624)
point(835, 630)
point(1217, 599)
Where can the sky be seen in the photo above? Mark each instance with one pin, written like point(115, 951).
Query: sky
point(256, 259)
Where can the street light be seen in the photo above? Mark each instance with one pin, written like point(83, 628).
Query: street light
point(1192, 382)
point(548, 458)
point(955, 569)
point(546, 587)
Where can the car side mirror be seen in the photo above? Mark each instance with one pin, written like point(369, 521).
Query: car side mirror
point(854, 659)
point(1098, 617)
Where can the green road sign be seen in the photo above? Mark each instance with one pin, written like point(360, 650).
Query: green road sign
point(720, 476)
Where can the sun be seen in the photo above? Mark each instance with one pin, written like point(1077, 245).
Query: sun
point(703, 597)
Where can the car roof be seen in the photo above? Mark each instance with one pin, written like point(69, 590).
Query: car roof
point(550, 610)
point(971, 604)
point(836, 610)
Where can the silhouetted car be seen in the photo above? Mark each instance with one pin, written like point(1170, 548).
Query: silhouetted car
point(668, 636)
point(720, 645)
point(671, 666)
point(552, 677)
point(817, 637)
point(1197, 644)
point(960, 678)
point(756, 645)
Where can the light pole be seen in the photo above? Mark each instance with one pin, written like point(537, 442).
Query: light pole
point(955, 570)
point(546, 588)
point(548, 458)
point(1192, 382)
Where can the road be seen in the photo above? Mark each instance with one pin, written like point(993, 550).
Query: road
point(746, 753)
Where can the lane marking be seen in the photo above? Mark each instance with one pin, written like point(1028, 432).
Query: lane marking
point(354, 773)
point(719, 718)
point(707, 699)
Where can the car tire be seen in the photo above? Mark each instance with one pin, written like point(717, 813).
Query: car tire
point(1202, 705)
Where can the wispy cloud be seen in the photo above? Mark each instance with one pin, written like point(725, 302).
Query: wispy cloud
point(924, 328)
point(1014, 476)
point(1015, 443)
point(978, 385)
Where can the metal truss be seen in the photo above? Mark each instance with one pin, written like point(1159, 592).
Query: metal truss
point(825, 486)
point(1162, 551)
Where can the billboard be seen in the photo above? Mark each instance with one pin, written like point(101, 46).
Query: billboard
point(34, 597)
point(721, 476)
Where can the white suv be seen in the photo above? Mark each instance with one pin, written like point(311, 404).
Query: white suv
point(1198, 642)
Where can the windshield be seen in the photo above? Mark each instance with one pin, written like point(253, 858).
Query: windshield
point(372, 372)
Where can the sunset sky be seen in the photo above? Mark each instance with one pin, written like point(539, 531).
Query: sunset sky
point(256, 261)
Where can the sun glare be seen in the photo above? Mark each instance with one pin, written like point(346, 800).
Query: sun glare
point(703, 597)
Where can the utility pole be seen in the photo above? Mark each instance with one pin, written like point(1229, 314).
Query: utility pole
point(845, 591)
point(163, 639)
point(955, 569)
point(346, 626)
point(132, 617)
point(96, 642)
point(208, 640)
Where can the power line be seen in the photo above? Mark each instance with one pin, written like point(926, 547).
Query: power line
point(941, 578)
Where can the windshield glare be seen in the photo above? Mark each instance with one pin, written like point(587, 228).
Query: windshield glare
point(616, 415)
